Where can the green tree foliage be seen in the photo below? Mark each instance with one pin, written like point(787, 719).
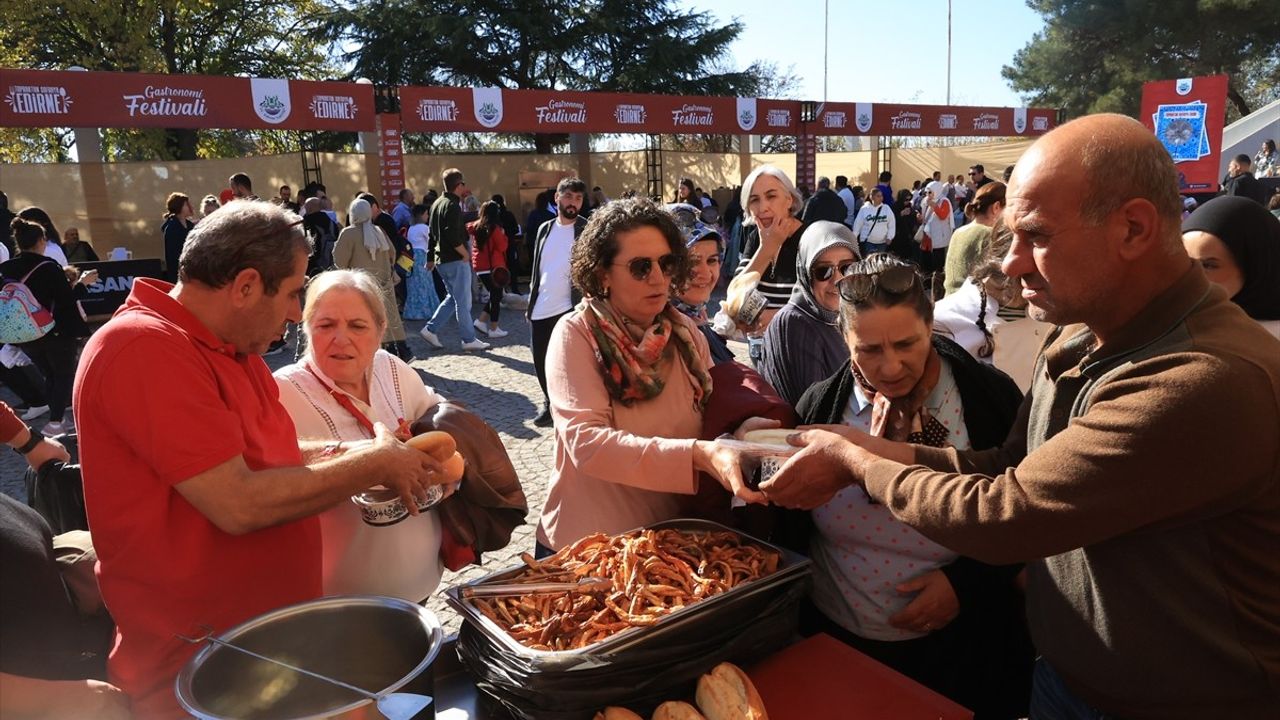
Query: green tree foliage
point(264, 38)
point(1094, 56)
point(610, 45)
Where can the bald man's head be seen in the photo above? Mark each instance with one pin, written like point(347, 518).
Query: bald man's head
point(1118, 160)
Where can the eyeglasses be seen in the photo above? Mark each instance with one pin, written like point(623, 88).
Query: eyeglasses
point(895, 281)
point(642, 267)
point(971, 174)
point(823, 273)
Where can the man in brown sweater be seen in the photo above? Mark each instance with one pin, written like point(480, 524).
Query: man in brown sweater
point(1142, 480)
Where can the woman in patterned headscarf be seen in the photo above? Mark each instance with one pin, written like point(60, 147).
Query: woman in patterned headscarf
point(950, 622)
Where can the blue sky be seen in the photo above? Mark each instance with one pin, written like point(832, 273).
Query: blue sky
point(866, 46)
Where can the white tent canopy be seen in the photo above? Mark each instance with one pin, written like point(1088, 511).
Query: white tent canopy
point(1246, 135)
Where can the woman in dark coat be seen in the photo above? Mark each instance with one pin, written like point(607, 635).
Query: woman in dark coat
point(950, 622)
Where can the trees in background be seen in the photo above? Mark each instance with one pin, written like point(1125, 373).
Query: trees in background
point(1094, 56)
point(610, 45)
point(263, 38)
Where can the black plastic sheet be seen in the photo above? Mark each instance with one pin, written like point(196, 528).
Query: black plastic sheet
point(640, 677)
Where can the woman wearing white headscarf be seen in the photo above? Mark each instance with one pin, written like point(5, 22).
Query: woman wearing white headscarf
point(802, 345)
point(363, 246)
point(935, 215)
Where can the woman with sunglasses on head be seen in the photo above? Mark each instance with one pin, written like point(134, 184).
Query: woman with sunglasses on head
point(802, 345)
point(706, 255)
point(628, 380)
point(949, 622)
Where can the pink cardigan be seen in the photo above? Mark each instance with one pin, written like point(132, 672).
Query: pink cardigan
point(616, 467)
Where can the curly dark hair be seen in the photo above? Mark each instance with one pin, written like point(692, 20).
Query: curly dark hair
point(598, 246)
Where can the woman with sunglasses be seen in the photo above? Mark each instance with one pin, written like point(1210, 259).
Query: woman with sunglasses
point(628, 380)
point(949, 622)
point(802, 345)
point(706, 255)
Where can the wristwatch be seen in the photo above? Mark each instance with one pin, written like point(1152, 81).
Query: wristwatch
point(30, 444)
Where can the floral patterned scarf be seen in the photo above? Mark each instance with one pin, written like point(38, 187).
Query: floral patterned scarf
point(635, 369)
point(906, 419)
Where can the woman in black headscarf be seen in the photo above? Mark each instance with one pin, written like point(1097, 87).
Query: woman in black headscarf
point(1238, 243)
point(802, 344)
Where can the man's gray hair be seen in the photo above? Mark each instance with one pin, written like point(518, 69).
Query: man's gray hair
point(797, 200)
point(1118, 171)
point(361, 282)
point(824, 182)
point(243, 235)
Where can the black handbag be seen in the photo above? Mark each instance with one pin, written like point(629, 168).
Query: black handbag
point(56, 491)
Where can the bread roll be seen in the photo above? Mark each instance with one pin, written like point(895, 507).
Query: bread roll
point(453, 468)
point(436, 443)
point(676, 710)
point(726, 693)
point(617, 713)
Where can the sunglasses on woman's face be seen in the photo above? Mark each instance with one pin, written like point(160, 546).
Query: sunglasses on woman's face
point(641, 267)
point(895, 281)
point(823, 273)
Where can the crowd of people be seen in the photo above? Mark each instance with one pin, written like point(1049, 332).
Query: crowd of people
point(997, 395)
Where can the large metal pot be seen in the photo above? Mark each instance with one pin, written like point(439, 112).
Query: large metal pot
point(376, 643)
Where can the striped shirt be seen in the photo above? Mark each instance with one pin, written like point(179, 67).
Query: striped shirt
point(777, 280)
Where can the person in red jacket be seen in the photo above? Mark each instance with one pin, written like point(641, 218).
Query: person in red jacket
point(489, 260)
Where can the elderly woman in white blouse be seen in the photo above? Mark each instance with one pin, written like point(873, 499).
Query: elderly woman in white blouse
point(336, 392)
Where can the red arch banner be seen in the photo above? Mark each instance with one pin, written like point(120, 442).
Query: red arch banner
point(49, 98)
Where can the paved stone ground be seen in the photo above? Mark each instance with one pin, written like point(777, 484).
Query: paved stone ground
point(498, 384)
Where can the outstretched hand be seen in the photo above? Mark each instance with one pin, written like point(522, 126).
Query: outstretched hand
point(725, 465)
point(811, 477)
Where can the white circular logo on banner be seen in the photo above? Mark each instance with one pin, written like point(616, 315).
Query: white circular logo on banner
point(747, 114)
point(487, 104)
point(271, 99)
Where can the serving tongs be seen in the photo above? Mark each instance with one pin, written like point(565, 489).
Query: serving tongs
point(393, 706)
point(585, 585)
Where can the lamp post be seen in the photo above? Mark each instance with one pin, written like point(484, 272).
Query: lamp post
point(948, 52)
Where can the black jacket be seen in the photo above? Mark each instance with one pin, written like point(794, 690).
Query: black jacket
point(990, 398)
point(387, 224)
point(51, 289)
point(1246, 185)
point(175, 232)
point(535, 277)
point(824, 205)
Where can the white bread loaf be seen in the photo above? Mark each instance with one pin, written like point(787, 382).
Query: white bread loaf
point(726, 693)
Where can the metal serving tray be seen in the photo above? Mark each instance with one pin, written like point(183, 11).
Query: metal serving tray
point(792, 567)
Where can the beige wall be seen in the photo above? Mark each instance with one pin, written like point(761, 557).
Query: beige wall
point(128, 200)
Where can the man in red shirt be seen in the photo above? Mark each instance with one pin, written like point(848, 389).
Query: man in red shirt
point(200, 497)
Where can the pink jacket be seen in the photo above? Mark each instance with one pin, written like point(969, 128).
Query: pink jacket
point(616, 467)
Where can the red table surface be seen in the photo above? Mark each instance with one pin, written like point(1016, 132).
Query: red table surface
point(821, 677)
